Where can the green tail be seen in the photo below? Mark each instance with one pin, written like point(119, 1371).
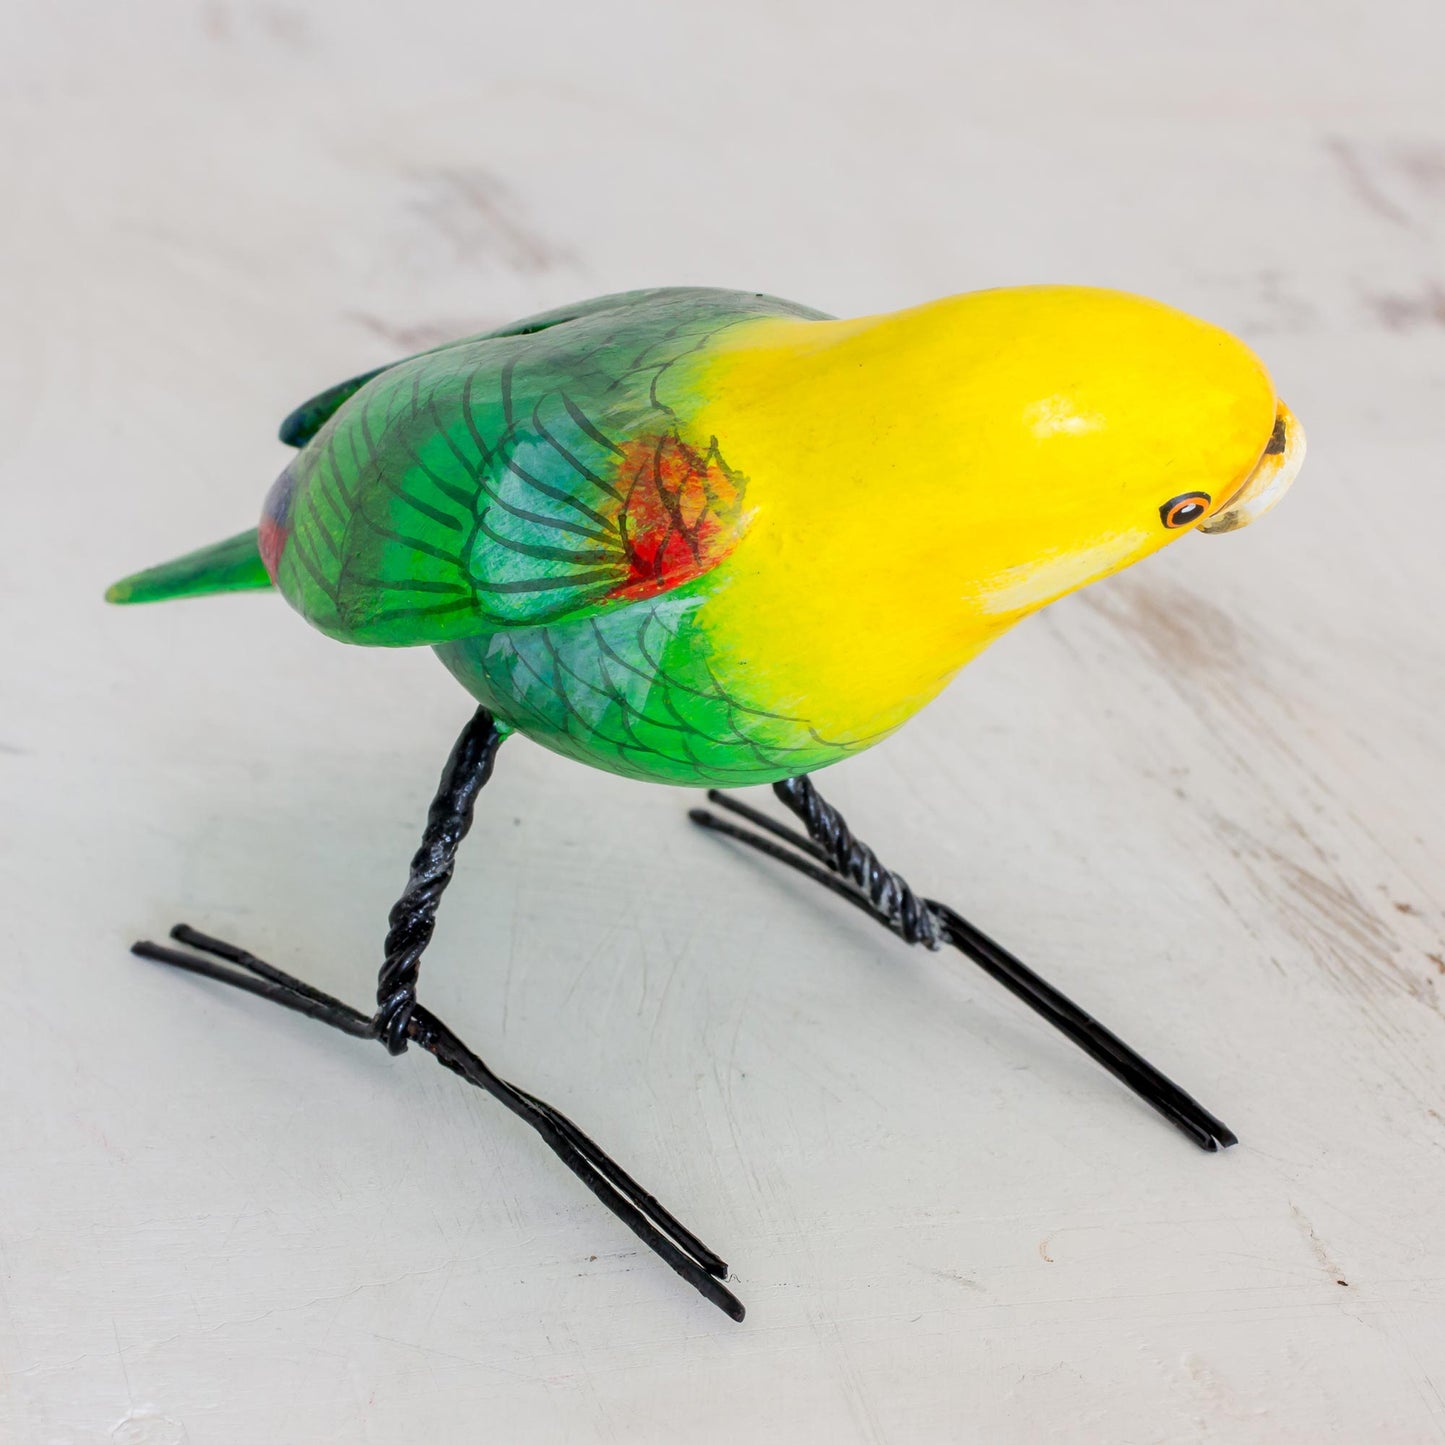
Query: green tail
point(230, 566)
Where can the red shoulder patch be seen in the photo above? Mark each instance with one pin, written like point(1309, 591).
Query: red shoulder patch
point(682, 513)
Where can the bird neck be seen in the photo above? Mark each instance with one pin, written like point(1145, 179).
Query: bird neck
point(848, 589)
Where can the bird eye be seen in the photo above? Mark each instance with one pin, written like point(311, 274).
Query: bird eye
point(1188, 507)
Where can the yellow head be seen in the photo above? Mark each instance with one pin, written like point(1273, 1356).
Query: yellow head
point(1086, 429)
point(925, 479)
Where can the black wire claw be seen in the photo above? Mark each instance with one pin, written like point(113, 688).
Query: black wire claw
point(613, 1186)
point(832, 856)
point(400, 1019)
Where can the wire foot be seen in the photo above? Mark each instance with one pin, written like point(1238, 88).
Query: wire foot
point(831, 855)
point(399, 1020)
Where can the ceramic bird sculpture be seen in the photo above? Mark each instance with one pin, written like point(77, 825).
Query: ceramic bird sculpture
point(713, 538)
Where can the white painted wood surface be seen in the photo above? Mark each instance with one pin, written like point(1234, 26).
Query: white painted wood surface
point(1205, 797)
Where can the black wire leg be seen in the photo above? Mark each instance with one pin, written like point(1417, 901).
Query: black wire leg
point(399, 1019)
point(832, 856)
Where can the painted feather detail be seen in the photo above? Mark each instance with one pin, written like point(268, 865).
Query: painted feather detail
point(512, 481)
point(682, 513)
point(634, 685)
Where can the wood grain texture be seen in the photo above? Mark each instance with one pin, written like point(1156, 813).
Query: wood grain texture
point(1204, 798)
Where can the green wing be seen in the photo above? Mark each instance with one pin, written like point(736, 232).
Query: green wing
point(544, 471)
point(302, 424)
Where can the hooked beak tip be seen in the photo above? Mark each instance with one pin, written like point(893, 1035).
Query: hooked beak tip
point(1271, 478)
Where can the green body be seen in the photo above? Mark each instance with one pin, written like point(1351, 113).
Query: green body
point(535, 504)
point(631, 690)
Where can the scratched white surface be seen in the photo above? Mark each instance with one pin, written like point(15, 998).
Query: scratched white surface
point(1205, 797)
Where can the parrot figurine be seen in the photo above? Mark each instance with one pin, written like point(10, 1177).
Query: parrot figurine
point(712, 538)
